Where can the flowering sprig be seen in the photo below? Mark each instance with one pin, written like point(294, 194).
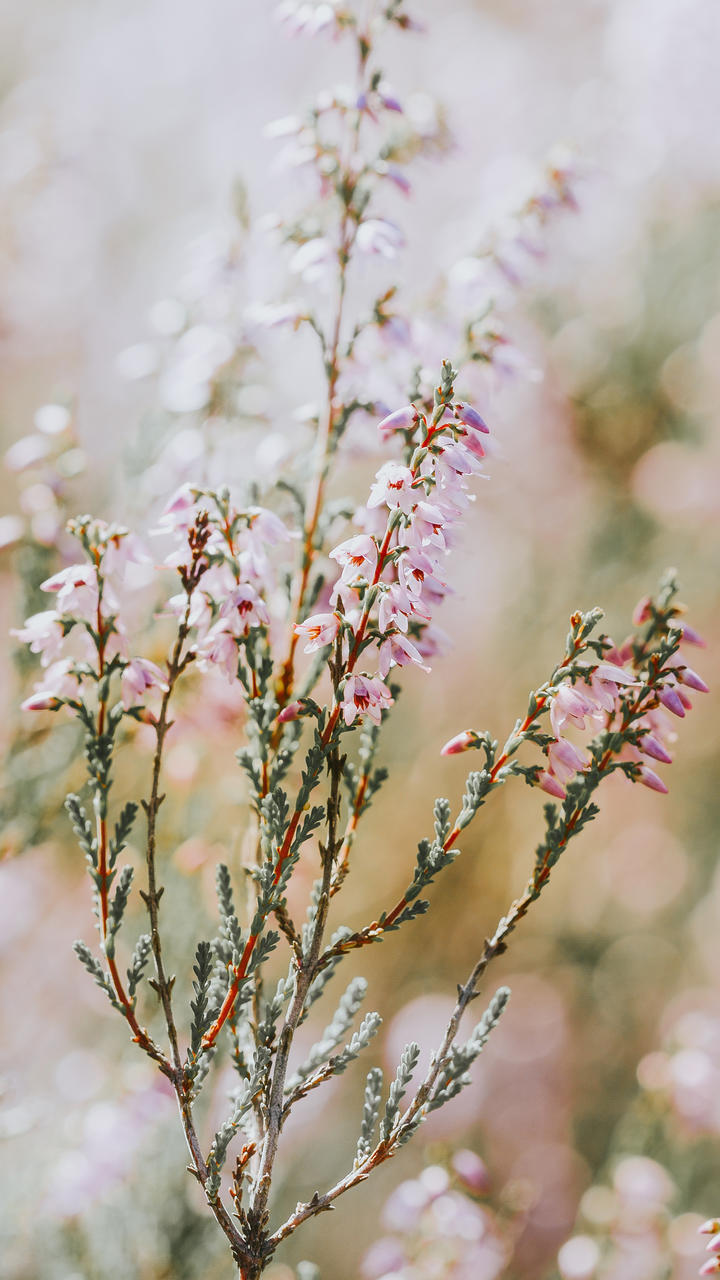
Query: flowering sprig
point(373, 612)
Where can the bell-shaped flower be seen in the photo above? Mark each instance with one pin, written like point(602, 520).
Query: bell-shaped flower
point(398, 651)
point(393, 487)
point(44, 633)
point(76, 589)
point(138, 676)
point(319, 630)
point(365, 695)
point(244, 609)
point(356, 556)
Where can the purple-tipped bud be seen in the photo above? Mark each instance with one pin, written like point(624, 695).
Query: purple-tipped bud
point(470, 417)
point(464, 741)
point(691, 636)
point(651, 747)
point(709, 1228)
point(693, 680)
point(713, 1246)
point(671, 700)
point(649, 778)
point(401, 420)
point(711, 1267)
point(547, 782)
point(290, 712)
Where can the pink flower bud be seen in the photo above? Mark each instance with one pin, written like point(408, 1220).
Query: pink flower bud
point(713, 1246)
point(642, 611)
point(709, 1228)
point(461, 742)
point(470, 417)
point(290, 712)
point(650, 779)
point(711, 1267)
point(692, 680)
point(691, 636)
point(651, 747)
point(401, 420)
point(546, 782)
point(671, 700)
point(41, 701)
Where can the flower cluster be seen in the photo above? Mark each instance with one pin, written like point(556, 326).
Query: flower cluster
point(391, 576)
point(231, 601)
point(85, 637)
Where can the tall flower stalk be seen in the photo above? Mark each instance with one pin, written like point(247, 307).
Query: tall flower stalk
point(358, 610)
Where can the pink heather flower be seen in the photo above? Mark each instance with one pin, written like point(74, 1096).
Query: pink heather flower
point(565, 760)
point(44, 633)
point(266, 525)
point(650, 779)
point(464, 741)
point(713, 1246)
point(617, 675)
point(548, 783)
point(313, 260)
point(709, 1228)
point(434, 642)
point(379, 236)
point(320, 629)
point(642, 611)
point(139, 675)
point(77, 591)
point(365, 695)
point(244, 609)
point(126, 554)
point(710, 1268)
point(356, 556)
point(393, 487)
point(395, 607)
point(59, 682)
point(218, 648)
point(427, 526)
point(568, 704)
point(398, 651)
point(179, 512)
point(401, 420)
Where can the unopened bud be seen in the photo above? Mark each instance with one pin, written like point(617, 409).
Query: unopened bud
point(464, 741)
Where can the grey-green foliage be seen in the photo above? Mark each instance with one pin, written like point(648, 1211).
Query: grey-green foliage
point(96, 971)
point(453, 1075)
point(242, 1103)
point(201, 1011)
point(82, 828)
point(403, 1076)
point(476, 788)
point(140, 957)
point(228, 945)
point(332, 1035)
point(371, 1111)
point(117, 907)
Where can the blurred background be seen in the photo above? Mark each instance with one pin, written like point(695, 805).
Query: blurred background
point(136, 177)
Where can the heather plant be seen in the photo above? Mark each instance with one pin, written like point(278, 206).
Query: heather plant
point(306, 606)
